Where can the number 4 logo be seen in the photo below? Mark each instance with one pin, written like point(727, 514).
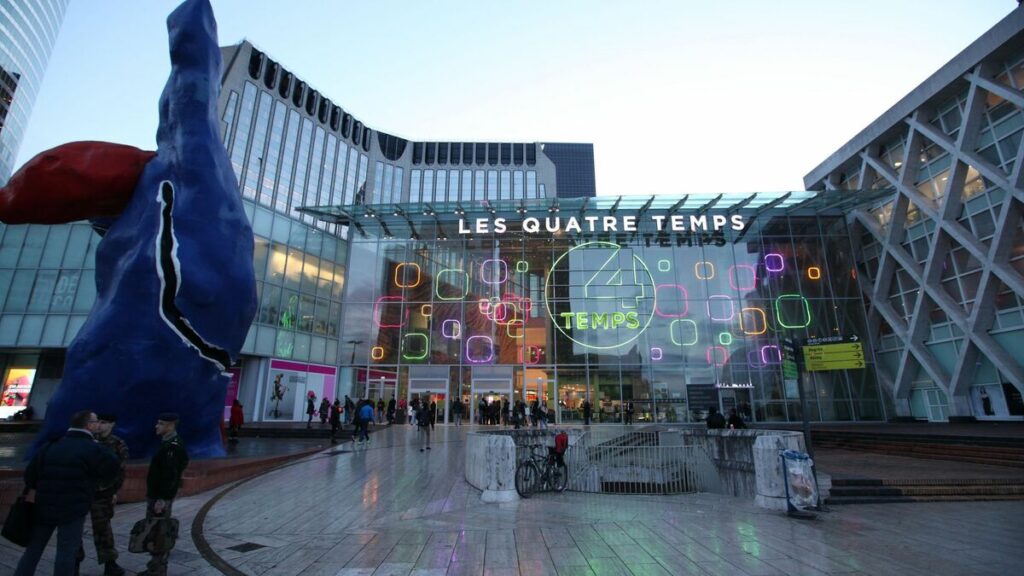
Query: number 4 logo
point(609, 282)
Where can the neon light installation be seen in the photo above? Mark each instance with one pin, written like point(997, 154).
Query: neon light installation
point(749, 323)
point(806, 310)
point(771, 354)
point(451, 329)
point(672, 332)
point(717, 356)
point(683, 298)
point(774, 263)
point(706, 267)
point(814, 273)
point(754, 359)
point(469, 349)
point(522, 266)
point(502, 271)
point(734, 281)
point(721, 298)
point(378, 311)
point(533, 355)
point(725, 338)
point(657, 354)
point(514, 324)
point(664, 265)
point(399, 277)
point(426, 310)
point(377, 353)
point(407, 345)
point(463, 280)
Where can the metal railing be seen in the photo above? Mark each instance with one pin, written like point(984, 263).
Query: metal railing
point(623, 461)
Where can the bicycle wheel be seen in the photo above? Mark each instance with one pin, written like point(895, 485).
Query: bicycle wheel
point(559, 477)
point(526, 478)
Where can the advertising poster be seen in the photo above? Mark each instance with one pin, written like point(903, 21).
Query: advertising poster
point(17, 387)
point(291, 382)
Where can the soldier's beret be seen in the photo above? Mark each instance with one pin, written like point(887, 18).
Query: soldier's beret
point(168, 417)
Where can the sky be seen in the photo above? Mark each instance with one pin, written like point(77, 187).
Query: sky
point(677, 97)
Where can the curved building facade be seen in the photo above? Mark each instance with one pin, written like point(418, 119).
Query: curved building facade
point(28, 31)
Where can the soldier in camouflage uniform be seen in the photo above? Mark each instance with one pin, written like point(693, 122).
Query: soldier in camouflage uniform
point(162, 483)
point(106, 496)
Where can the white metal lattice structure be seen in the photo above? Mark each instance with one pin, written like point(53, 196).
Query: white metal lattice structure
point(942, 259)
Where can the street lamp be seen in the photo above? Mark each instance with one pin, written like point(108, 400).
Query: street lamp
point(354, 343)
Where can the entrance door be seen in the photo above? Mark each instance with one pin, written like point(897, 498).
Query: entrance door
point(489, 389)
point(431, 390)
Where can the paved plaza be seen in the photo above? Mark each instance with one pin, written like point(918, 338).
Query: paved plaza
point(388, 509)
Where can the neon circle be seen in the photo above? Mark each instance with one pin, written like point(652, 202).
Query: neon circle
point(377, 353)
point(490, 349)
point(725, 338)
point(719, 298)
point(684, 299)
point(754, 359)
point(398, 274)
point(713, 353)
point(464, 281)
point(749, 323)
point(522, 266)
point(641, 276)
point(426, 310)
point(657, 354)
point(664, 265)
point(773, 352)
point(814, 273)
point(672, 332)
point(517, 324)
point(776, 259)
point(806, 308)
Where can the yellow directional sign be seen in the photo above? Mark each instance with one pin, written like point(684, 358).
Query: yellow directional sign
point(846, 356)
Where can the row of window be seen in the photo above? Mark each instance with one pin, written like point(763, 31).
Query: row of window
point(473, 185)
point(456, 153)
point(305, 98)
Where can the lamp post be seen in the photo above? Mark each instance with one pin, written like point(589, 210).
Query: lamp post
point(352, 360)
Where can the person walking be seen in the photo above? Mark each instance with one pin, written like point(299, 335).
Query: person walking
point(433, 414)
point(629, 412)
point(310, 408)
point(714, 421)
point(60, 482)
point(162, 483)
point(457, 411)
point(350, 410)
point(102, 510)
point(336, 410)
point(391, 410)
point(587, 412)
point(236, 421)
point(423, 423)
point(380, 410)
point(542, 415)
point(735, 422)
point(325, 410)
point(363, 419)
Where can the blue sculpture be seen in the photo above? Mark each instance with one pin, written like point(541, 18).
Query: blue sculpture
point(175, 288)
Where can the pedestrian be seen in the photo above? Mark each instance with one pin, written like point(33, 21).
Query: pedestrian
point(457, 411)
point(106, 497)
point(380, 411)
point(310, 408)
point(587, 412)
point(364, 418)
point(542, 415)
point(735, 422)
point(350, 410)
point(336, 411)
point(414, 410)
point(236, 421)
point(433, 414)
point(423, 423)
point(325, 410)
point(162, 483)
point(60, 482)
point(714, 421)
point(629, 412)
point(391, 410)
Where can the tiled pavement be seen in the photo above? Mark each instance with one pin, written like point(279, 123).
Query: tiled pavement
point(389, 509)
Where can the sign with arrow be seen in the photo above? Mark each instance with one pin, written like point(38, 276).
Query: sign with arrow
point(848, 355)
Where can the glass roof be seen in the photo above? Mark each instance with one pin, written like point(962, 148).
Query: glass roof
point(374, 217)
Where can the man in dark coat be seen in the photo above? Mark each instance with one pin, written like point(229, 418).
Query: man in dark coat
point(163, 481)
point(62, 480)
point(715, 420)
point(106, 496)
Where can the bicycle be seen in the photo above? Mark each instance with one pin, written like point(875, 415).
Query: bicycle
point(541, 472)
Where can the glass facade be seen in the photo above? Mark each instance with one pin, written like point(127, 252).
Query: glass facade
point(28, 31)
point(677, 321)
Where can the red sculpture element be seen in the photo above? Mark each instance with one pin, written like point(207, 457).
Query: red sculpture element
point(74, 181)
